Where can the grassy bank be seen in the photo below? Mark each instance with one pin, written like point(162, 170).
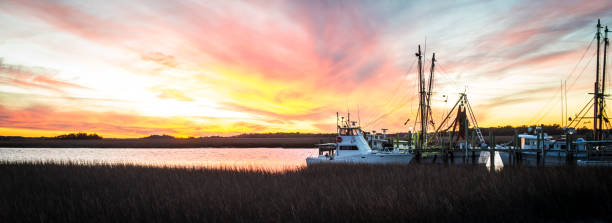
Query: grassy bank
point(226, 142)
point(214, 142)
point(111, 193)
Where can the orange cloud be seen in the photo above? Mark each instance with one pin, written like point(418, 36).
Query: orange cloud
point(42, 119)
point(173, 94)
point(160, 58)
point(32, 77)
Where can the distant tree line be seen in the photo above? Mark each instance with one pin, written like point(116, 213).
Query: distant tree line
point(164, 136)
point(283, 135)
point(10, 137)
point(554, 129)
point(80, 135)
point(509, 131)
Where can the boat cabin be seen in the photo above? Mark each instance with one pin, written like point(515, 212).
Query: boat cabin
point(531, 142)
point(350, 141)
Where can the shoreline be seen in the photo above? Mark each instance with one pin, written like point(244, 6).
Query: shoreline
point(221, 142)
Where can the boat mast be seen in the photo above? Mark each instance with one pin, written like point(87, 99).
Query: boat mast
point(596, 116)
point(602, 105)
point(431, 79)
point(421, 100)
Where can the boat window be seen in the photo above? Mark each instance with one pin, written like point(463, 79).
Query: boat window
point(348, 148)
point(348, 132)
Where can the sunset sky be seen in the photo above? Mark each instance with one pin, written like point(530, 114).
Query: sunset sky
point(200, 68)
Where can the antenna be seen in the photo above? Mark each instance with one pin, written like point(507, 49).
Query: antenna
point(358, 117)
point(565, 95)
point(337, 120)
point(348, 118)
point(425, 52)
point(562, 118)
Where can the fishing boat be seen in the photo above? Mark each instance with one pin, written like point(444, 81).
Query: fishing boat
point(537, 140)
point(381, 143)
point(352, 147)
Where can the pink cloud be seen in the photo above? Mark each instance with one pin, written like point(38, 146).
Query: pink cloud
point(36, 77)
point(160, 58)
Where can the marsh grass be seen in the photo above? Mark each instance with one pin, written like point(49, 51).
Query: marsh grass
point(99, 192)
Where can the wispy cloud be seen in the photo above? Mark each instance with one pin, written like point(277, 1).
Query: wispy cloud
point(286, 65)
point(33, 77)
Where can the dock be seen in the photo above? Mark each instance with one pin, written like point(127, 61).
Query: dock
point(595, 153)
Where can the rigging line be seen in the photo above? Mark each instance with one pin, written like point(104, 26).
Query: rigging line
point(579, 75)
point(394, 109)
point(582, 110)
point(571, 73)
point(547, 111)
point(539, 113)
point(395, 91)
point(586, 112)
point(548, 107)
point(390, 111)
point(548, 103)
point(544, 110)
point(453, 82)
point(581, 72)
point(581, 58)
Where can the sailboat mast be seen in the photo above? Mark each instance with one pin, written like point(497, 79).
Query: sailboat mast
point(596, 87)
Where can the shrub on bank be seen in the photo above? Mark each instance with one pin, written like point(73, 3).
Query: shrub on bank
point(80, 135)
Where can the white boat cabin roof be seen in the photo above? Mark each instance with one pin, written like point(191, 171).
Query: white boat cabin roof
point(534, 137)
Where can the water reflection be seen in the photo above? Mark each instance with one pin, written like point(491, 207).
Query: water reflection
point(274, 159)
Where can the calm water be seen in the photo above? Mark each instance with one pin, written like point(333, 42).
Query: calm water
point(251, 158)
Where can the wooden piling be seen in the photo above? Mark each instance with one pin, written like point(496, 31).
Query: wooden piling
point(473, 157)
point(512, 153)
point(473, 140)
point(442, 148)
point(588, 149)
point(568, 148)
point(543, 145)
point(492, 150)
point(467, 130)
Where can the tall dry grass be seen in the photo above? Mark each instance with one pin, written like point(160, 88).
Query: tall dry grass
point(67, 192)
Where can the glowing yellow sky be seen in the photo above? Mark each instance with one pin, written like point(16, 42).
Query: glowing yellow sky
point(131, 69)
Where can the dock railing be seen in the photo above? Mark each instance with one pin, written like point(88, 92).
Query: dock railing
point(593, 150)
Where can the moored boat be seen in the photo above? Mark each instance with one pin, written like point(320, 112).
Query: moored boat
point(352, 147)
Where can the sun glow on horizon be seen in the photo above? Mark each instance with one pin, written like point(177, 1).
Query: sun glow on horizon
point(126, 70)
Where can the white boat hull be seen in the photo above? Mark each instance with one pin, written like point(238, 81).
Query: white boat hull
point(363, 159)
